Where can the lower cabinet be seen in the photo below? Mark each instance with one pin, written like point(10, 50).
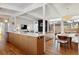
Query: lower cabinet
point(28, 44)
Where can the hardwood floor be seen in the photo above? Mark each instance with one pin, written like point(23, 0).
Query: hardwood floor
point(52, 50)
point(10, 50)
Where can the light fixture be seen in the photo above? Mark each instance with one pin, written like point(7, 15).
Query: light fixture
point(56, 19)
point(69, 21)
point(6, 21)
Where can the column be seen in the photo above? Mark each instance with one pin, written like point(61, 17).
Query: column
point(14, 18)
point(54, 34)
point(47, 26)
point(71, 25)
point(44, 19)
point(44, 25)
point(13, 23)
point(54, 28)
point(62, 26)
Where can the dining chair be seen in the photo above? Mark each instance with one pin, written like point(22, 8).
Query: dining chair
point(63, 40)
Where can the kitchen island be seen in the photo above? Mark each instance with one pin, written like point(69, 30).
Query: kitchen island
point(29, 43)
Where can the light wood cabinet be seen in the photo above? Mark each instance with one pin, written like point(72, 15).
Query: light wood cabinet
point(11, 37)
point(28, 44)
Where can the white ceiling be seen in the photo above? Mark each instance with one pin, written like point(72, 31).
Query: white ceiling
point(35, 10)
point(67, 9)
point(15, 6)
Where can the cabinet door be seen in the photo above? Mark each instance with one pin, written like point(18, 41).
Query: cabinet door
point(40, 45)
point(11, 37)
point(32, 41)
point(15, 39)
point(24, 43)
point(19, 40)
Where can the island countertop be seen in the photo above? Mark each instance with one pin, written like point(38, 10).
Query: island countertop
point(29, 34)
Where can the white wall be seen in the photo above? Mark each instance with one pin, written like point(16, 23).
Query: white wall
point(13, 27)
point(29, 23)
point(35, 26)
point(32, 25)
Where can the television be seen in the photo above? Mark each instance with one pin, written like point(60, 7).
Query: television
point(23, 26)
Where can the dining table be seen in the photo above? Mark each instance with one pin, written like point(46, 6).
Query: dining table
point(73, 38)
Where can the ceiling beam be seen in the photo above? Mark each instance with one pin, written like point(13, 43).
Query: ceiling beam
point(37, 16)
point(7, 14)
point(2, 13)
point(28, 18)
point(9, 7)
point(30, 8)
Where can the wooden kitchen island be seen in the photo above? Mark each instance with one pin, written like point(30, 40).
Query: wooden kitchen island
point(29, 43)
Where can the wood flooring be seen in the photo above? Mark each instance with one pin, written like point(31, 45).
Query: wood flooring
point(10, 49)
point(50, 49)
